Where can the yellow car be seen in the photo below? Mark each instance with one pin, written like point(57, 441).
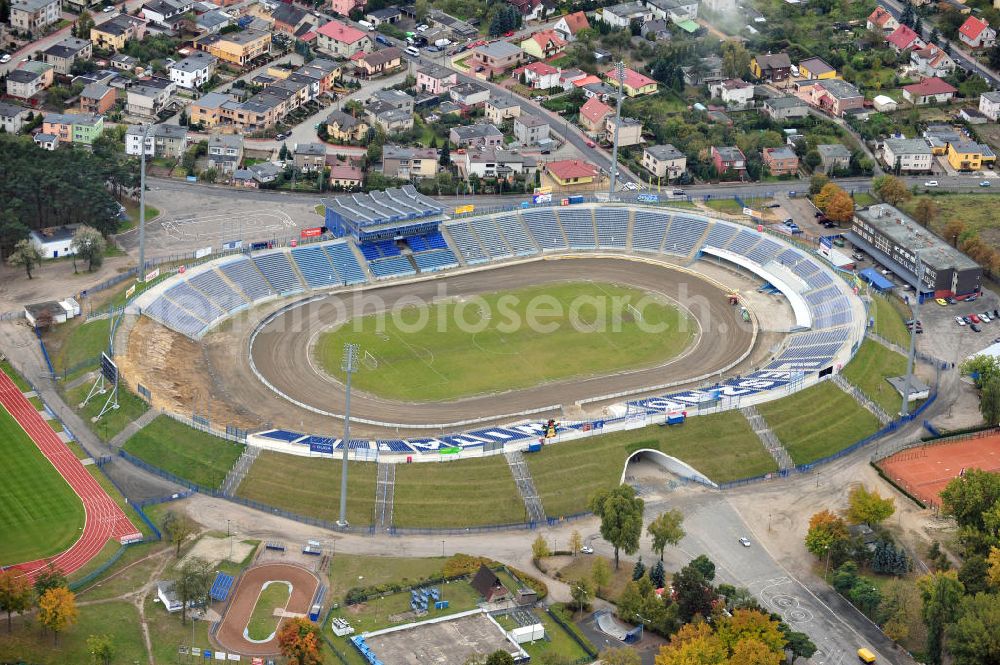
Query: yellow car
point(866, 656)
point(941, 301)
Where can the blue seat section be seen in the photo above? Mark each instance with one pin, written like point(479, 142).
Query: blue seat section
point(720, 235)
point(394, 266)
point(211, 284)
point(804, 269)
point(282, 435)
point(278, 271)
point(819, 279)
point(493, 242)
point(175, 317)
point(369, 251)
point(817, 298)
point(764, 251)
point(684, 234)
point(438, 259)
point(387, 247)
point(836, 336)
point(417, 243)
point(612, 227)
point(579, 226)
point(467, 243)
point(789, 257)
point(821, 350)
point(245, 275)
point(315, 266)
point(543, 225)
point(346, 263)
point(394, 445)
point(436, 241)
point(516, 234)
point(647, 236)
point(195, 302)
point(744, 242)
point(221, 586)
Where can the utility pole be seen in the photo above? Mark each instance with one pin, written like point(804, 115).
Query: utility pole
point(349, 365)
point(620, 74)
point(905, 410)
point(142, 205)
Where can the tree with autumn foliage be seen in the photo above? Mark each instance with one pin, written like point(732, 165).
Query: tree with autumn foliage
point(840, 208)
point(825, 529)
point(825, 195)
point(868, 507)
point(57, 610)
point(953, 230)
point(15, 593)
point(891, 189)
point(748, 637)
point(693, 643)
point(298, 641)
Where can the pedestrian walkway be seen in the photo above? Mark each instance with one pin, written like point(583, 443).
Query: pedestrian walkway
point(862, 399)
point(239, 470)
point(118, 440)
point(768, 438)
point(385, 490)
point(526, 486)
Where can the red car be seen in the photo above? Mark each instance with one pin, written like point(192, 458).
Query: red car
point(509, 33)
point(975, 318)
point(591, 144)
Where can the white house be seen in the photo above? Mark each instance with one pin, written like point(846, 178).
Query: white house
point(168, 596)
point(622, 15)
point(674, 10)
point(193, 71)
point(989, 105)
point(884, 104)
point(736, 93)
point(540, 75)
point(55, 242)
point(912, 155)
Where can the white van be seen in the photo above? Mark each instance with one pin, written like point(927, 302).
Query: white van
point(366, 25)
point(412, 51)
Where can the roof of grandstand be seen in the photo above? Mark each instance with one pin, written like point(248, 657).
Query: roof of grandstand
point(378, 208)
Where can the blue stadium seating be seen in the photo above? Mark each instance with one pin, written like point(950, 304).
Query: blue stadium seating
point(684, 234)
point(387, 247)
point(278, 272)
point(821, 350)
point(516, 234)
point(612, 227)
point(438, 259)
point(744, 242)
point(345, 262)
point(244, 274)
point(436, 241)
point(417, 243)
point(221, 586)
point(369, 251)
point(175, 317)
point(838, 335)
point(394, 445)
point(211, 284)
point(579, 226)
point(194, 301)
point(764, 251)
point(492, 241)
point(647, 236)
point(544, 227)
point(394, 266)
point(315, 266)
point(720, 235)
point(467, 243)
point(282, 435)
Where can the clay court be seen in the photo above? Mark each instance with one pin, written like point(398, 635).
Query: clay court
point(448, 642)
point(231, 633)
point(926, 470)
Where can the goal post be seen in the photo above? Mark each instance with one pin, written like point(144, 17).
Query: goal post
point(634, 311)
point(369, 361)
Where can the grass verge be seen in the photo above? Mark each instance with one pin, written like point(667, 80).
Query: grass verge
point(196, 456)
point(869, 369)
point(355, 570)
point(889, 321)
point(115, 420)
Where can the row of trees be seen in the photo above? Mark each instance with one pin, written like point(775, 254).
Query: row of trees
point(49, 595)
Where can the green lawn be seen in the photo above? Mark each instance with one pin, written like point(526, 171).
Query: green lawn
point(508, 340)
point(864, 199)
point(18, 380)
point(721, 446)
point(167, 633)
point(196, 456)
point(729, 206)
point(889, 321)
point(346, 569)
point(469, 492)
point(394, 609)
point(975, 211)
point(134, 569)
point(83, 342)
point(558, 642)
point(130, 408)
point(41, 514)
point(262, 622)
point(311, 486)
point(132, 215)
point(818, 421)
point(869, 369)
point(119, 620)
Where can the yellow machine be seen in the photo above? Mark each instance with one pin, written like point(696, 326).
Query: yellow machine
point(865, 656)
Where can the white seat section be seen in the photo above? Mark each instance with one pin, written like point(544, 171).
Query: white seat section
point(513, 231)
point(684, 234)
point(467, 243)
point(278, 272)
point(543, 225)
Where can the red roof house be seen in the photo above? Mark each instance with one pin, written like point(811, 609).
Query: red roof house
point(593, 115)
point(572, 172)
point(903, 38)
point(882, 20)
point(568, 26)
point(977, 33)
point(931, 90)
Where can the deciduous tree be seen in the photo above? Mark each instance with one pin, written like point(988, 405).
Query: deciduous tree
point(620, 511)
point(580, 593)
point(15, 593)
point(972, 637)
point(194, 580)
point(953, 230)
point(49, 578)
point(989, 401)
point(600, 574)
point(868, 507)
point(891, 189)
point(57, 610)
point(940, 593)
point(88, 244)
point(619, 656)
point(735, 59)
point(101, 648)
point(540, 548)
point(178, 527)
point(693, 593)
point(825, 529)
point(27, 254)
point(666, 529)
point(575, 542)
point(693, 643)
point(298, 641)
point(840, 209)
point(825, 195)
point(751, 624)
point(993, 575)
point(500, 657)
point(925, 210)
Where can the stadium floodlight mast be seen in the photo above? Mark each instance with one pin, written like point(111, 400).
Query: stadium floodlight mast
point(142, 204)
point(349, 366)
point(913, 338)
point(620, 75)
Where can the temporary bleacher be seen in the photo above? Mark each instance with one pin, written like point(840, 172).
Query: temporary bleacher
point(516, 234)
point(215, 287)
point(315, 266)
point(346, 263)
point(278, 271)
point(244, 274)
point(612, 227)
point(359, 643)
point(393, 266)
point(467, 244)
point(220, 587)
point(579, 226)
point(438, 259)
point(194, 301)
point(684, 234)
point(544, 227)
point(647, 236)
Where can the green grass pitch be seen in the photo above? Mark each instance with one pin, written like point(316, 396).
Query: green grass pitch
point(41, 514)
point(583, 333)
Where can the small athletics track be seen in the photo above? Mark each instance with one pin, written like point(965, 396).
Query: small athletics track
point(231, 634)
point(103, 519)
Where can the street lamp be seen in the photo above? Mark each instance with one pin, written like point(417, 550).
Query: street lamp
point(142, 203)
point(905, 410)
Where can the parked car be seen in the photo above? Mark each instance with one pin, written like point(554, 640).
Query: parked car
point(931, 183)
point(591, 144)
point(587, 549)
point(858, 256)
point(108, 9)
point(959, 320)
point(941, 301)
point(5, 58)
point(744, 541)
point(985, 317)
point(976, 328)
point(972, 298)
point(951, 301)
point(975, 318)
point(967, 319)
point(984, 183)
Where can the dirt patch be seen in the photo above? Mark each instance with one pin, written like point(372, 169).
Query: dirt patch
point(216, 550)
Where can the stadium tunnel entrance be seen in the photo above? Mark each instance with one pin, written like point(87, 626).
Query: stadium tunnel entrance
point(668, 463)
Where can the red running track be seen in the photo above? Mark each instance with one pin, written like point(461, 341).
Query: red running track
point(103, 519)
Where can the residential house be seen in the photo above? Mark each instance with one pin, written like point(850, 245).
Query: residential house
point(629, 131)
point(593, 114)
point(114, 34)
point(392, 119)
point(147, 100)
point(82, 128)
point(570, 172)
point(379, 62)
point(345, 7)
point(344, 127)
point(435, 79)
point(881, 21)
point(568, 76)
point(970, 156)
point(622, 15)
point(785, 108)
point(469, 95)
point(531, 130)
point(97, 98)
point(125, 63)
point(384, 16)
point(499, 110)
point(544, 44)
point(495, 58)
point(664, 161)
point(34, 16)
point(675, 11)
point(12, 117)
point(342, 40)
point(163, 13)
point(939, 137)
point(932, 61)
point(62, 55)
point(570, 25)
point(771, 67)
point(479, 135)
point(344, 174)
point(977, 33)
point(207, 110)
point(635, 83)
point(288, 18)
point(409, 163)
point(531, 10)
point(708, 70)
point(931, 90)
point(459, 28)
point(46, 141)
point(736, 93)
point(884, 104)
point(236, 48)
point(656, 30)
point(833, 157)
point(781, 160)
point(265, 172)
point(309, 157)
point(834, 96)
point(989, 104)
point(29, 79)
point(816, 68)
point(167, 141)
point(212, 23)
point(729, 160)
point(539, 75)
point(395, 98)
point(497, 163)
point(193, 71)
point(907, 155)
point(903, 38)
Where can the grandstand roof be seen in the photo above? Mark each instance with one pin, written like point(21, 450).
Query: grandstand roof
point(381, 208)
